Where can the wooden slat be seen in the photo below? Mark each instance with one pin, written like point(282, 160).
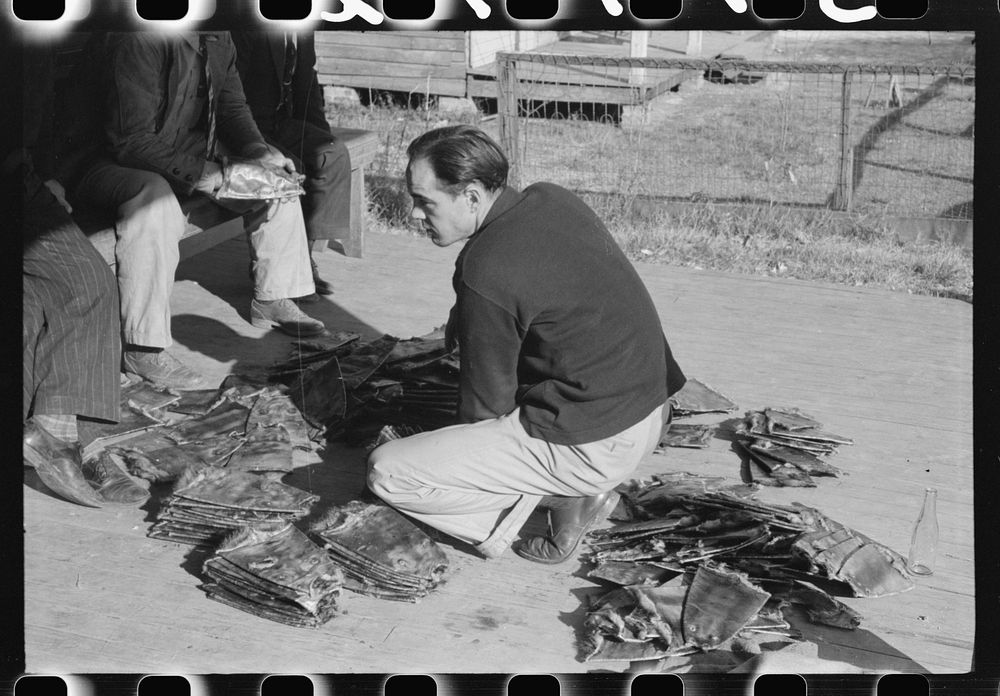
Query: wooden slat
point(362, 66)
point(890, 370)
point(444, 41)
point(437, 85)
point(340, 57)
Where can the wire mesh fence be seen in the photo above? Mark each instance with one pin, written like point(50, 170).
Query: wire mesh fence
point(871, 139)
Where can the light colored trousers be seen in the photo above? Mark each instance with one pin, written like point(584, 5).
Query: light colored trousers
point(479, 482)
point(149, 226)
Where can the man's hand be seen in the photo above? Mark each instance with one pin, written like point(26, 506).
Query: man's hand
point(267, 156)
point(59, 192)
point(211, 179)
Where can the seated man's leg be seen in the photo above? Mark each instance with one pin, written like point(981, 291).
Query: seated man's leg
point(326, 163)
point(480, 482)
point(70, 327)
point(149, 227)
point(279, 256)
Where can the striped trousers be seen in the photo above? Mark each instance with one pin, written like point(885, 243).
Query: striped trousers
point(71, 325)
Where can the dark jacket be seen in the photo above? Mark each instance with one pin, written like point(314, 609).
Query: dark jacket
point(261, 64)
point(154, 116)
point(552, 317)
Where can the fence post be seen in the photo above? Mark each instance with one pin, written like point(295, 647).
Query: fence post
point(507, 110)
point(845, 177)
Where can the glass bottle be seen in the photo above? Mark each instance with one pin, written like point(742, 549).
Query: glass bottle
point(923, 546)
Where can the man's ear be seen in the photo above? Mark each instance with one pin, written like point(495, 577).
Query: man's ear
point(473, 195)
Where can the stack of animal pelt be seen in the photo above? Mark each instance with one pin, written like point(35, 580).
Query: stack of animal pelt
point(275, 571)
point(383, 553)
point(209, 503)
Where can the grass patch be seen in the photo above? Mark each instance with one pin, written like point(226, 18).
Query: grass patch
point(777, 242)
point(754, 239)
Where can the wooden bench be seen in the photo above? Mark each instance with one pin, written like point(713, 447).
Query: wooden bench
point(362, 146)
point(209, 225)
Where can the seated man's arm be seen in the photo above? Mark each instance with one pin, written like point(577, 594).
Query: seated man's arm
point(489, 343)
point(234, 119)
point(137, 63)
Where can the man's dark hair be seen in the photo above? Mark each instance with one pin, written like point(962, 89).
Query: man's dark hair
point(461, 154)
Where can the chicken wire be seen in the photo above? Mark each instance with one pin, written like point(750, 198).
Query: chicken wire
point(880, 139)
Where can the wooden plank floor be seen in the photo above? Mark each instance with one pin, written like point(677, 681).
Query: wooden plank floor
point(892, 371)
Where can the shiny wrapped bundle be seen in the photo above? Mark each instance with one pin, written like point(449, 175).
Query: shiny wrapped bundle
point(250, 180)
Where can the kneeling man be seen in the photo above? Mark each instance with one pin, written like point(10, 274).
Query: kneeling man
point(565, 370)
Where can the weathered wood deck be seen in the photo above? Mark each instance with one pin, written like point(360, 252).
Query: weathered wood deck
point(588, 83)
point(892, 371)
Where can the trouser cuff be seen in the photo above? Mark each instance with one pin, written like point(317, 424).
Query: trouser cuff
point(503, 536)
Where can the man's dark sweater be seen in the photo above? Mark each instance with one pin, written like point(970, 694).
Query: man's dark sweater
point(552, 317)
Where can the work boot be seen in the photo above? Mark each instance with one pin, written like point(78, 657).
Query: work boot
point(323, 287)
point(569, 519)
point(58, 464)
point(284, 316)
point(160, 368)
point(111, 483)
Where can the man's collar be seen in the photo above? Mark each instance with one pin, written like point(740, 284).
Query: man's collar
point(508, 198)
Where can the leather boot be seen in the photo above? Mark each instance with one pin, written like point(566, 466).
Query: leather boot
point(58, 464)
point(569, 519)
point(111, 482)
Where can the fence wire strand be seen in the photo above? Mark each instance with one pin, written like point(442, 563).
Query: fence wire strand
point(873, 138)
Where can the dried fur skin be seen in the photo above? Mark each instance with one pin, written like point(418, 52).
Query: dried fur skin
point(821, 608)
point(208, 504)
point(265, 448)
point(243, 490)
point(783, 447)
point(636, 623)
point(684, 435)
point(719, 603)
point(697, 397)
point(111, 482)
point(223, 421)
point(153, 457)
point(379, 532)
point(871, 569)
point(749, 559)
point(277, 572)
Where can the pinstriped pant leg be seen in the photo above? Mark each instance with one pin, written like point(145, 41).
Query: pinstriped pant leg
point(71, 323)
